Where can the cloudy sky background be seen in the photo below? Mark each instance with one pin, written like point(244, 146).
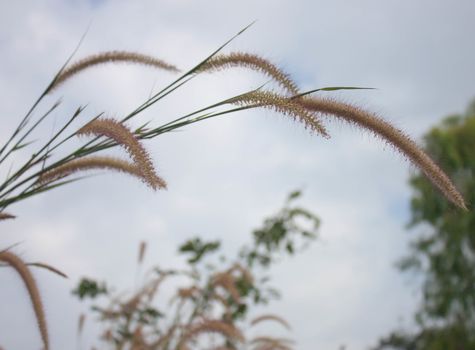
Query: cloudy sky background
point(226, 174)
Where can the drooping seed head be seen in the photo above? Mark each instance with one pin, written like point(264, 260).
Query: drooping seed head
point(92, 163)
point(22, 269)
point(270, 317)
point(125, 138)
point(213, 326)
point(6, 216)
point(282, 105)
point(228, 283)
point(110, 57)
point(395, 137)
point(251, 61)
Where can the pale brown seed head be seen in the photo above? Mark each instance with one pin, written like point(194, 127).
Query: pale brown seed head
point(22, 269)
point(214, 326)
point(6, 216)
point(81, 321)
point(282, 105)
point(110, 57)
point(269, 343)
point(227, 281)
point(251, 61)
point(395, 137)
point(270, 317)
point(187, 293)
point(244, 272)
point(142, 248)
point(91, 163)
point(125, 138)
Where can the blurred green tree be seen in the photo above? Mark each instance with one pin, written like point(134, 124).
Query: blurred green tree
point(445, 253)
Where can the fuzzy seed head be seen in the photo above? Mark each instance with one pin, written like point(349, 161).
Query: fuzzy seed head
point(228, 283)
point(91, 163)
point(270, 317)
point(110, 57)
point(254, 62)
point(22, 269)
point(6, 216)
point(282, 105)
point(395, 137)
point(214, 326)
point(124, 137)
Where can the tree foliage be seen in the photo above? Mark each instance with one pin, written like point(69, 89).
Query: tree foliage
point(445, 253)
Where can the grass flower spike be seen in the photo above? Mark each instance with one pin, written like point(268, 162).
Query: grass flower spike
point(283, 105)
point(254, 62)
point(270, 317)
point(91, 163)
point(214, 326)
point(110, 57)
point(6, 216)
point(30, 283)
point(395, 137)
point(125, 138)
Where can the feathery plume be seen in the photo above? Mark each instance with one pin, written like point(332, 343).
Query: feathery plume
point(110, 57)
point(6, 216)
point(188, 293)
point(227, 281)
point(124, 137)
point(245, 273)
point(48, 267)
point(395, 137)
point(251, 61)
point(214, 326)
point(91, 163)
point(270, 317)
point(283, 105)
point(32, 288)
point(271, 343)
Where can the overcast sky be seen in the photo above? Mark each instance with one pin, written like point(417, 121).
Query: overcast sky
point(225, 175)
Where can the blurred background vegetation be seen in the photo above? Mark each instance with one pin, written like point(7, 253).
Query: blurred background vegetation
point(443, 254)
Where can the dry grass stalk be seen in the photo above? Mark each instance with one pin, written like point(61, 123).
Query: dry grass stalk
point(251, 61)
point(81, 321)
point(282, 105)
point(124, 137)
point(395, 137)
point(142, 248)
point(270, 317)
point(48, 267)
point(162, 342)
point(138, 340)
point(32, 288)
point(91, 163)
point(111, 57)
point(6, 216)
